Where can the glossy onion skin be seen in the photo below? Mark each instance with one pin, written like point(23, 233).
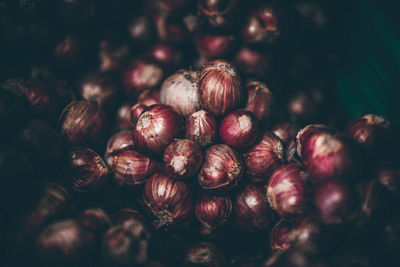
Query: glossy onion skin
point(222, 169)
point(213, 211)
point(302, 232)
point(87, 169)
point(149, 98)
point(239, 129)
point(286, 131)
point(264, 157)
point(169, 200)
point(334, 201)
point(280, 237)
point(252, 211)
point(82, 122)
point(131, 167)
point(260, 101)
point(288, 190)
point(219, 87)
point(201, 127)
point(374, 133)
point(157, 126)
point(120, 141)
point(182, 159)
point(327, 156)
point(180, 91)
point(136, 110)
point(146, 98)
point(307, 132)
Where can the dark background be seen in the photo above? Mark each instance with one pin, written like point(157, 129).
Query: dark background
point(364, 36)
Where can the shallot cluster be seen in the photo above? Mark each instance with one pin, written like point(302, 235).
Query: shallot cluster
point(187, 133)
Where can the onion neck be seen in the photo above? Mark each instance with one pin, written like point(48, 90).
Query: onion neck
point(164, 218)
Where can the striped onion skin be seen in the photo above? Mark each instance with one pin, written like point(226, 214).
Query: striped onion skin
point(288, 190)
point(169, 200)
point(213, 211)
point(220, 87)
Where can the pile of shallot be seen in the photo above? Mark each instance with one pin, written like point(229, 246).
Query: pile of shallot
point(187, 133)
